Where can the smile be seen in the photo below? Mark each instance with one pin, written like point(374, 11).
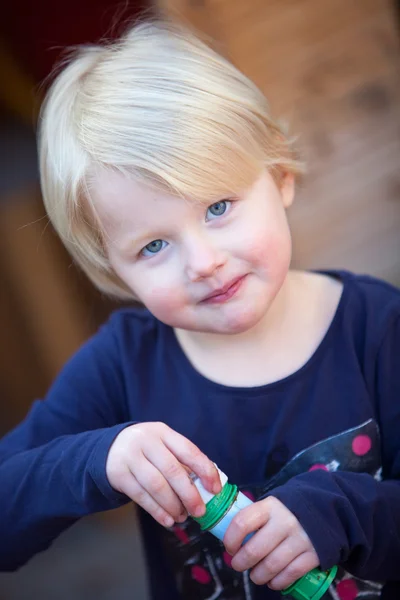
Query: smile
point(225, 293)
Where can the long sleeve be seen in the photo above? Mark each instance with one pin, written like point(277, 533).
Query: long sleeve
point(52, 466)
point(353, 519)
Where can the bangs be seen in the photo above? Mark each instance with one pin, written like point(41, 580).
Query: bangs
point(163, 108)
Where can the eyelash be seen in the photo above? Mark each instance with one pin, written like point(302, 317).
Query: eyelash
point(228, 202)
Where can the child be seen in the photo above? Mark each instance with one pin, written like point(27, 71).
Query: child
point(168, 182)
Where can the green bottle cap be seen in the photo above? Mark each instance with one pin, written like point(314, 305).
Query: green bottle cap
point(311, 586)
point(217, 507)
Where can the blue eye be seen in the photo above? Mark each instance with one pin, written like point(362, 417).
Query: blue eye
point(153, 248)
point(217, 209)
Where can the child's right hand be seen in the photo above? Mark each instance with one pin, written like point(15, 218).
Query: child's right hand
point(150, 463)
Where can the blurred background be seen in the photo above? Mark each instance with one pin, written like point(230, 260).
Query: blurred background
point(330, 69)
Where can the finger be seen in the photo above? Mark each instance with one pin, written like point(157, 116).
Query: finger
point(296, 569)
point(155, 484)
point(249, 520)
point(177, 476)
point(132, 488)
point(261, 545)
point(276, 561)
point(190, 455)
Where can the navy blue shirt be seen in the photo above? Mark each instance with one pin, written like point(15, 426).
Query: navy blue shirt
point(325, 440)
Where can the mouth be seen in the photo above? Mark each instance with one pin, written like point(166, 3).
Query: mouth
point(225, 293)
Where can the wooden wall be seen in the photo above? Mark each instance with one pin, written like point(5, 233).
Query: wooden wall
point(330, 69)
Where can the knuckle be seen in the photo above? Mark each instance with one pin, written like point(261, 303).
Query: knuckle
point(274, 586)
point(134, 437)
point(157, 485)
point(197, 455)
point(292, 524)
point(120, 483)
point(136, 429)
point(239, 523)
point(272, 502)
point(273, 565)
point(311, 560)
point(140, 496)
point(256, 577)
point(122, 474)
point(172, 470)
point(160, 426)
point(294, 572)
point(159, 514)
point(251, 553)
point(270, 565)
point(116, 467)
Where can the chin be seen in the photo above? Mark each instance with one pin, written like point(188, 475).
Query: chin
point(239, 322)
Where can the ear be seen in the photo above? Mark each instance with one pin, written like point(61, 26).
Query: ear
point(287, 188)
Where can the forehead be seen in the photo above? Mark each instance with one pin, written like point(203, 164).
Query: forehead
point(120, 201)
point(113, 193)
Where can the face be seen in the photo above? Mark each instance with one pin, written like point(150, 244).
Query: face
point(210, 268)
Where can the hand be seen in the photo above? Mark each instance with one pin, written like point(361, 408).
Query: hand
point(150, 463)
point(279, 553)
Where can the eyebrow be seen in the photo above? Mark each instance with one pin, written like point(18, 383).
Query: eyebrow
point(130, 244)
point(138, 241)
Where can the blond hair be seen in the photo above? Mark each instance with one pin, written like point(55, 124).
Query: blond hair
point(158, 105)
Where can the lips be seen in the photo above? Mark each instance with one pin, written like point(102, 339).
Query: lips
point(226, 292)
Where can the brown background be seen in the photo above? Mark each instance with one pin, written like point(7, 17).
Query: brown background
point(330, 69)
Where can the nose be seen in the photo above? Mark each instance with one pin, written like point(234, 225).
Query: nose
point(203, 258)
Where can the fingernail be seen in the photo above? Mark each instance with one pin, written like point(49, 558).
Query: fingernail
point(169, 521)
point(216, 488)
point(182, 517)
point(199, 511)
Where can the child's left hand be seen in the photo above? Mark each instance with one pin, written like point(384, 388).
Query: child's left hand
point(279, 553)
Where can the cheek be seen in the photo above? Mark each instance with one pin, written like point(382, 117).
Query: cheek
point(163, 301)
point(268, 248)
point(161, 295)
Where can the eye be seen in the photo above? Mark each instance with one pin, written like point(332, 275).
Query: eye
point(153, 248)
point(217, 209)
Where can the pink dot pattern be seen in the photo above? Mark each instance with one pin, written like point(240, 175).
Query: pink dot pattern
point(347, 589)
point(201, 574)
point(227, 559)
point(361, 445)
point(181, 535)
point(318, 466)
